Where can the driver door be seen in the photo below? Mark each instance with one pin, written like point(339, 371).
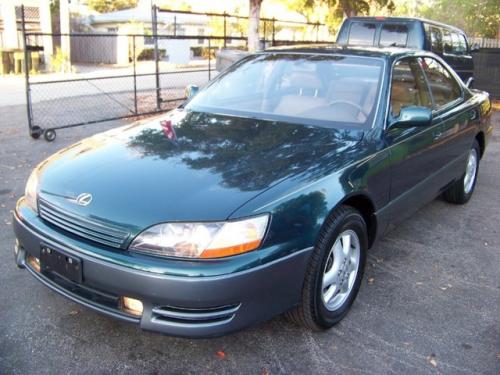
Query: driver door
point(412, 149)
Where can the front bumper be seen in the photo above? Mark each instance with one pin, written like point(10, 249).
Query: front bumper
point(188, 306)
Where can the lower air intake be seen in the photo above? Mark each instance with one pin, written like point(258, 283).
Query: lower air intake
point(194, 317)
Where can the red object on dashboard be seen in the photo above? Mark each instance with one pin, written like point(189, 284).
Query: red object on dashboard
point(168, 129)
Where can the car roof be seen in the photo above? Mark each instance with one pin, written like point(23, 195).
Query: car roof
point(405, 19)
point(387, 53)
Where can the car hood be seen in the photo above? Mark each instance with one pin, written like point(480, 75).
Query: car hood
point(185, 166)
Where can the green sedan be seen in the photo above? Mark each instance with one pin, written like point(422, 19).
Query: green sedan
point(260, 195)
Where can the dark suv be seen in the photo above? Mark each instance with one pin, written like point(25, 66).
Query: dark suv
point(446, 41)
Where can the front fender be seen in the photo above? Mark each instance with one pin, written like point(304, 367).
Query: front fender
point(300, 205)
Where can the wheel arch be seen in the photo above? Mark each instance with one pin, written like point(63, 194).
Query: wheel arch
point(363, 203)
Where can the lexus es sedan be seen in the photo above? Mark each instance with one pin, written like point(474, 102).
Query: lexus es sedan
point(260, 195)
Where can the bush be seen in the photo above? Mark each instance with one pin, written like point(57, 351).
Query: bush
point(149, 53)
point(60, 62)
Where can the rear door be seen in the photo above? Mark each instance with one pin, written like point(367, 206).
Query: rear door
point(464, 66)
point(453, 136)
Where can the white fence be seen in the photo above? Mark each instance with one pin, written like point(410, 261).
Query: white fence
point(486, 42)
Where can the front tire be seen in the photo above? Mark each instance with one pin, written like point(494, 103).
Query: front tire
point(335, 271)
point(461, 191)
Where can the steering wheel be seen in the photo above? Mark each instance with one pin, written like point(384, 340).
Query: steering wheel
point(349, 103)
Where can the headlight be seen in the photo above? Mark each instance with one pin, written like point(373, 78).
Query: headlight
point(202, 240)
point(31, 191)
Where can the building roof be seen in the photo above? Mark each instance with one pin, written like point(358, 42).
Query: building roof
point(143, 14)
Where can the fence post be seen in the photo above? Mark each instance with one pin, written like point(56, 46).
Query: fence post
point(156, 56)
point(317, 32)
point(274, 30)
point(26, 71)
point(265, 22)
point(225, 29)
point(135, 75)
point(175, 25)
point(209, 58)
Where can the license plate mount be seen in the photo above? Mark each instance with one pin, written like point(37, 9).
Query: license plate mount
point(61, 263)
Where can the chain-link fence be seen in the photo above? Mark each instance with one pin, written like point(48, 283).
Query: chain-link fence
point(107, 76)
point(106, 82)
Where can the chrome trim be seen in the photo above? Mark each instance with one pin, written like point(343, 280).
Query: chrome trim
point(83, 227)
point(196, 315)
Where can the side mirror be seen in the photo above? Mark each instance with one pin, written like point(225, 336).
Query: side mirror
point(190, 91)
point(474, 47)
point(412, 116)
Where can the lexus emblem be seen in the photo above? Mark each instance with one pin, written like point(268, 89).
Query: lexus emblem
point(84, 199)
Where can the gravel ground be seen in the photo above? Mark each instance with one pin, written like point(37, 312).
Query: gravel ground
point(430, 301)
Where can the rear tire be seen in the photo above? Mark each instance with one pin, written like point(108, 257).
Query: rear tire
point(461, 191)
point(337, 257)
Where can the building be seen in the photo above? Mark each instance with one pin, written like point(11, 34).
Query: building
point(37, 20)
point(37, 16)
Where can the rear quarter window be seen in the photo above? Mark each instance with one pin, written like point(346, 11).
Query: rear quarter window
point(393, 35)
point(362, 33)
point(458, 44)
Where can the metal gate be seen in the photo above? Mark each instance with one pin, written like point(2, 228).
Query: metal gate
point(110, 76)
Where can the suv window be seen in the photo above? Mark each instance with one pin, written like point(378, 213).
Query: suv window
point(393, 35)
point(434, 39)
point(443, 85)
point(459, 44)
point(362, 33)
point(447, 42)
point(408, 86)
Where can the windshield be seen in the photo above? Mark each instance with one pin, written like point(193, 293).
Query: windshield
point(325, 90)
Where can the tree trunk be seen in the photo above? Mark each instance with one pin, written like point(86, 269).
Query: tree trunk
point(253, 25)
point(348, 9)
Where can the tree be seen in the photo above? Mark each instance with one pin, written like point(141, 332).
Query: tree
point(478, 18)
point(104, 6)
point(332, 12)
point(253, 25)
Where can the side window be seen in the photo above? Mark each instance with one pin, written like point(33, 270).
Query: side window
point(463, 41)
point(459, 44)
point(408, 86)
point(362, 33)
point(436, 40)
point(443, 85)
point(393, 35)
point(447, 42)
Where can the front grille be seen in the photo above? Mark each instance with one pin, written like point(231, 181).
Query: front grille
point(89, 229)
point(194, 317)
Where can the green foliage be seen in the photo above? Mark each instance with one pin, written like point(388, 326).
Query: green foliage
point(478, 18)
point(149, 53)
point(332, 12)
point(104, 6)
point(60, 61)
